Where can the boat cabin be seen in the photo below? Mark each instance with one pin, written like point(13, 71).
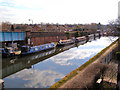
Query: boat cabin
point(25, 48)
point(8, 51)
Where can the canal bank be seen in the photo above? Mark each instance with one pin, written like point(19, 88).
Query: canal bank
point(86, 75)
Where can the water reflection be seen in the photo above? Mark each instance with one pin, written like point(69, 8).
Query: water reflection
point(35, 78)
point(12, 65)
point(43, 70)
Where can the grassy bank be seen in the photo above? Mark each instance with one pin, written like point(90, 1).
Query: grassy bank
point(75, 72)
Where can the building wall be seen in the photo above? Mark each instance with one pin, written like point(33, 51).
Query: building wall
point(119, 9)
point(38, 38)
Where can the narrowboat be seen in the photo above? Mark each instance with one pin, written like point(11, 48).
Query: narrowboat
point(6, 52)
point(65, 42)
point(80, 39)
point(34, 49)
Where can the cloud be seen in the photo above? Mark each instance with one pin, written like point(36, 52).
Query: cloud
point(66, 58)
point(36, 78)
point(61, 11)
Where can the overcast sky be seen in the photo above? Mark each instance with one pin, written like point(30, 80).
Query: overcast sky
point(119, 10)
point(59, 11)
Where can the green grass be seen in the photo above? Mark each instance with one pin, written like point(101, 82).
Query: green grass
point(74, 72)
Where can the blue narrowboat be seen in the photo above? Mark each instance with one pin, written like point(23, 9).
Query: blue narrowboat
point(6, 52)
point(34, 49)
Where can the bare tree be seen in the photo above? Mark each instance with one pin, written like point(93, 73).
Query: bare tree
point(115, 26)
point(6, 26)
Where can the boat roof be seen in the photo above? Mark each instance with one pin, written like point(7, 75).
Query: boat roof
point(9, 47)
point(38, 45)
point(6, 48)
point(25, 46)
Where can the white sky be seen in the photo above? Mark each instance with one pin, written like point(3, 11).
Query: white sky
point(119, 10)
point(59, 11)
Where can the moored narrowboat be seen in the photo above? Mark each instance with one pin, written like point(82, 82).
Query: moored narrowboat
point(65, 42)
point(80, 39)
point(34, 49)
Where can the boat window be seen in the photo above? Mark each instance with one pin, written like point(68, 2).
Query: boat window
point(42, 47)
point(36, 48)
point(49, 45)
point(33, 49)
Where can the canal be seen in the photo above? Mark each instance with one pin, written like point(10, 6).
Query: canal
point(43, 69)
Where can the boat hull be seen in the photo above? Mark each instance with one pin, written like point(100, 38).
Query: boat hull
point(60, 44)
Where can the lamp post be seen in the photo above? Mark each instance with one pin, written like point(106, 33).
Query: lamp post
point(32, 23)
point(29, 40)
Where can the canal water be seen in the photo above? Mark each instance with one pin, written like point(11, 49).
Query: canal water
point(42, 70)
